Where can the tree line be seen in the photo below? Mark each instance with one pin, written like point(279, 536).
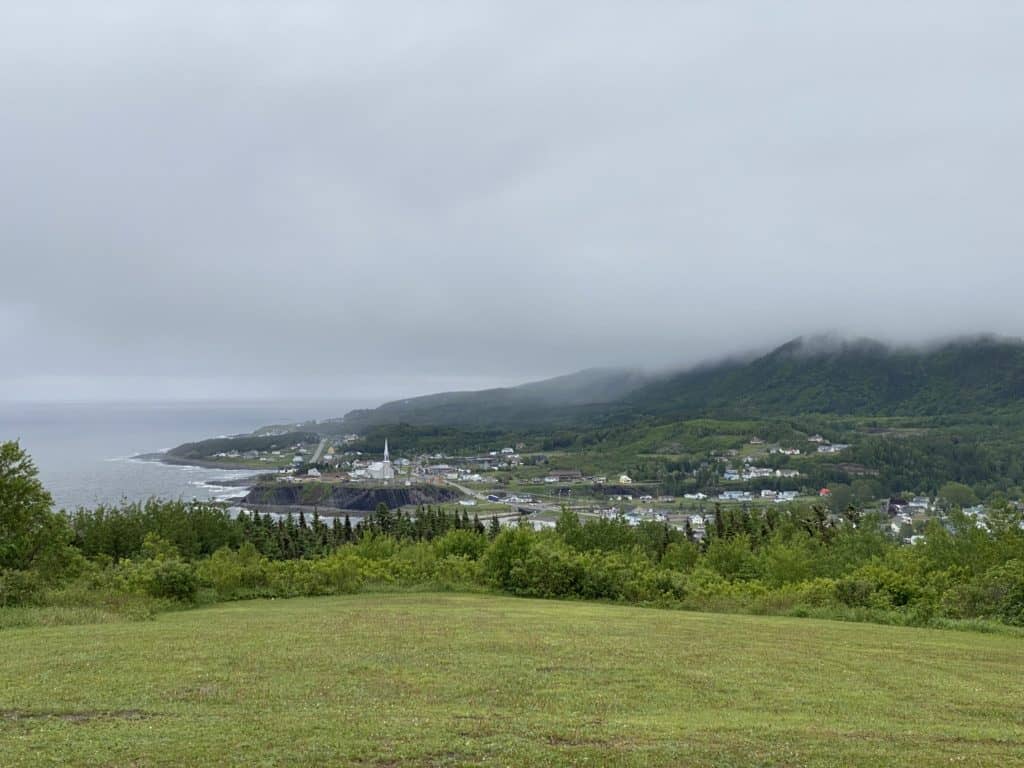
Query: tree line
point(802, 561)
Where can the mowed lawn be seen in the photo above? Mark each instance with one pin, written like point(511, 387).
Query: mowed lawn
point(388, 680)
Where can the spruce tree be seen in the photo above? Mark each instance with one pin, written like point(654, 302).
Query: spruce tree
point(719, 522)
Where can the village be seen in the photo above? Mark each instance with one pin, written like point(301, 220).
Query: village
point(512, 485)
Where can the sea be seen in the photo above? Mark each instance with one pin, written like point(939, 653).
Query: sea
point(85, 451)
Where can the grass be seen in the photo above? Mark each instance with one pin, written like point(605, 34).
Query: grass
point(427, 679)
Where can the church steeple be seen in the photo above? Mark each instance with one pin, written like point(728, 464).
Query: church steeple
point(386, 458)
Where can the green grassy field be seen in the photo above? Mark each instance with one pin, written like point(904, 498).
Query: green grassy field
point(387, 680)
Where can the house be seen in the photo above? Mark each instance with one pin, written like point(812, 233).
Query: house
point(437, 469)
point(816, 439)
point(832, 448)
point(767, 494)
point(896, 505)
point(695, 496)
point(625, 480)
point(824, 492)
point(756, 441)
point(507, 451)
point(734, 496)
point(920, 502)
point(564, 475)
point(786, 451)
point(785, 496)
point(467, 502)
point(314, 472)
point(731, 474)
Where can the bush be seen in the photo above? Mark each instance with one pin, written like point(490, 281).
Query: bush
point(680, 556)
point(509, 548)
point(340, 573)
point(996, 594)
point(461, 543)
point(547, 570)
point(456, 571)
point(876, 586)
point(19, 587)
point(234, 574)
point(731, 558)
point(164, 578)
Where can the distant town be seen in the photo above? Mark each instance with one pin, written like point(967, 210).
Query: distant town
point(516, 486)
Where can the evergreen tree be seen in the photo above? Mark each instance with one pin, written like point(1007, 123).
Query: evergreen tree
point(719, 522)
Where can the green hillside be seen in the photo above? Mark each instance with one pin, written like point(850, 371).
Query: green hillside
point(444, 680)
point(847, 378)
point(561, 399)
point(806, 375)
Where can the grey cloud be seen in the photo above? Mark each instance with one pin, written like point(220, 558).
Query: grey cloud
point(336, 194)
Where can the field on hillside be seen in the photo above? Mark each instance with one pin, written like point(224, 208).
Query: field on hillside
point(387, 680)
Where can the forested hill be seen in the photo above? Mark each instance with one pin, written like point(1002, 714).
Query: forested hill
point(863, 377)
point(537, 403)
point(806, 375)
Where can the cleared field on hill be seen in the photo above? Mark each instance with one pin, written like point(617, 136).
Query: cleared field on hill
point(387, 680)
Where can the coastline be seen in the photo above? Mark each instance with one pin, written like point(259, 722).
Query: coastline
point(164, 458)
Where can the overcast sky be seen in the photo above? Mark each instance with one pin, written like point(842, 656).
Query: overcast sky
point(202, 198)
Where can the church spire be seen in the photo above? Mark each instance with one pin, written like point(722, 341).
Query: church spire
point(386, 450)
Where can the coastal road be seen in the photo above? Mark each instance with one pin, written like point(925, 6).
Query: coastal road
point(529, 508)
point(319, 450)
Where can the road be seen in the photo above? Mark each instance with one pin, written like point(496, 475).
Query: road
point(318, 451)
point(522, 508)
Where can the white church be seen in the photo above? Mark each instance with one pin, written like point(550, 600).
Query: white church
point(382, 470)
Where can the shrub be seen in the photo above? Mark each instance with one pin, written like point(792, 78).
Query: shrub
point(680, 556)
point(731, 557)
point(19, 587)
point(998, 594)
point(547, 570)
point(456, 570)
point(509, 548)
point(340, 573)
point(876, 586)
point(235, 574)
point(461, 543)
point(165, 578)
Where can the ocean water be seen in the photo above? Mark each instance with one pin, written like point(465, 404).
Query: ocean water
point(84, 450)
